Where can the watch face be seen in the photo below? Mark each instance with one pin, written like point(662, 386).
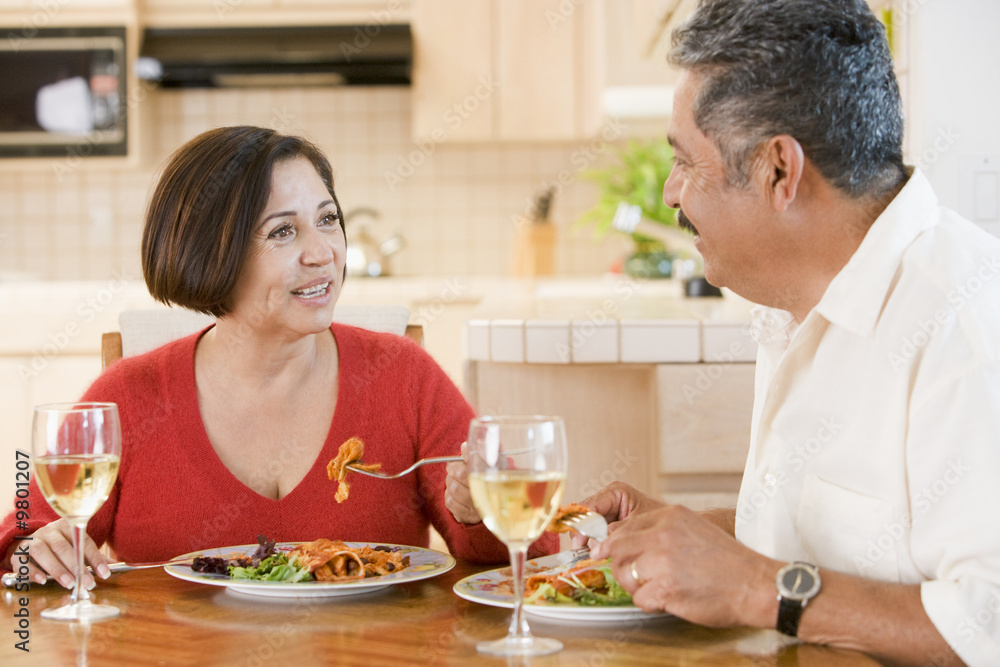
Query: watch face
point(798, 582)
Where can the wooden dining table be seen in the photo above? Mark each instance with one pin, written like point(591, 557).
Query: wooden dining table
point(171, 622)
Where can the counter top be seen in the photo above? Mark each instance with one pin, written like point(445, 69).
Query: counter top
point(611, 320)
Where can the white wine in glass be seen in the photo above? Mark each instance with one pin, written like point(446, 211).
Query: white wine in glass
point(77, 448)
point(517, 470)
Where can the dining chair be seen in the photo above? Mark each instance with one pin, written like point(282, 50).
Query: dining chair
point(144, 330)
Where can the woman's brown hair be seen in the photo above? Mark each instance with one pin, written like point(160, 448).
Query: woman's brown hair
point(201, 216)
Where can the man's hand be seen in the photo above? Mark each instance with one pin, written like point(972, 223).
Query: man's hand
point(456, 490)
point(690, 567)
point(51, 553)
point(617, 502)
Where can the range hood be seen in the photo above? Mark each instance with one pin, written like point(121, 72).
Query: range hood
point(269, 56)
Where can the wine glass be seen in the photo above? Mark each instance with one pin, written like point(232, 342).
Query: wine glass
point(77, 448)
point(517, 470)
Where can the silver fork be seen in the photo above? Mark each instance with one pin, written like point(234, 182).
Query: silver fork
point(384, 475)
point(588, 524)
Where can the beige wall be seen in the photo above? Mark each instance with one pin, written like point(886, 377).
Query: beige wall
point(455, 204)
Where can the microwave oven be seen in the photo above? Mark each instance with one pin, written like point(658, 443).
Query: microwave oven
point(64, 92)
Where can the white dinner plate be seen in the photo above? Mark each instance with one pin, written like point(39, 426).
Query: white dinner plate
point(493, 588)
point(424, 563)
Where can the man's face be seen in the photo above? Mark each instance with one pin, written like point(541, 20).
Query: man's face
point(725, 219)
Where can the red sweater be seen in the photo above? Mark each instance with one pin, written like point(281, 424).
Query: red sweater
point(174, 495)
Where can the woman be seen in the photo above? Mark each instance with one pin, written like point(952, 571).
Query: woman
point(227, 433)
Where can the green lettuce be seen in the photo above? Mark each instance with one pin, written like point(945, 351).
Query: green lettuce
point(272, 568)
point(581, 595)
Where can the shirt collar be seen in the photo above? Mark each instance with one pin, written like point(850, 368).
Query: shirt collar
point(855, 297)
point(769, 325)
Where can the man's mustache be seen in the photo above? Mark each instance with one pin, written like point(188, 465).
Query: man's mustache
point(685, 223)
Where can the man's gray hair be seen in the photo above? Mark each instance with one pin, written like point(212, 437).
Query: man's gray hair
point(817, 70)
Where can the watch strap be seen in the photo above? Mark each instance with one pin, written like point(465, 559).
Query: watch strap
point(789, 614)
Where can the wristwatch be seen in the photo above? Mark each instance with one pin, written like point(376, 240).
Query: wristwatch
point(798, 583)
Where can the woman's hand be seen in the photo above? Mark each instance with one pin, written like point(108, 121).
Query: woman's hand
point(51, 553)
point(456, 490)
point(617, 502)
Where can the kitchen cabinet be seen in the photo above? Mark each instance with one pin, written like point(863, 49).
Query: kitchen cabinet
point(507, 70)
point(39, 13)
point(233, 13)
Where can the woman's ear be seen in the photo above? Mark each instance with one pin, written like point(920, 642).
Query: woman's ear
point(781, 162)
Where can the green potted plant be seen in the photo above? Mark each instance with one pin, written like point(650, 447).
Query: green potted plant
point(636, 178)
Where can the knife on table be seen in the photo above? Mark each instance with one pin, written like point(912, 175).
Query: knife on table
point(562, 558)
point(10, 579)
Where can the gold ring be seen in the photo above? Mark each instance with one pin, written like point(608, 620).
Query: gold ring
point(635, 574)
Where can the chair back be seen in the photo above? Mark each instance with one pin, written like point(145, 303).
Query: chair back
point(144, 330)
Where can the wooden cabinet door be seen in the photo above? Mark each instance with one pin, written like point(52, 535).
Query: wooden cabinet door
point(453, 78)
point(536, 69)
point(507, 70)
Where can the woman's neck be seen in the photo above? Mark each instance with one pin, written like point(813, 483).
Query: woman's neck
point(253, 357)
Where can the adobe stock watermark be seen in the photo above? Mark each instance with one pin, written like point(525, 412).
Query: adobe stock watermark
point(922, 501)
point(86, 312)
point(224, 7)
point(46, 11)
point(363, 35)
point(795, 461)
point(710, 373)
point(608, 648)
point(562, 13)
point(970, 626)
point(962, 294)
point(623, 462)
point(594, 320)
point(910, 6)
point(452, 289)
point(580, 159)
point(942, 143)
point(453, 119)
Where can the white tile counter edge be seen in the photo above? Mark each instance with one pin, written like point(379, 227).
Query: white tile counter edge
point(539, 341)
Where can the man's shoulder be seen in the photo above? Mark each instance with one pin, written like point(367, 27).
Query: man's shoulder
point(957, 253)
point(950, 278)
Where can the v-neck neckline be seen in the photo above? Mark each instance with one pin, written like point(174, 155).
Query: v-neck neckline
point(204, 456)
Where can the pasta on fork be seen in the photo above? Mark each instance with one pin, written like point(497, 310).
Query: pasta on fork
point(349, 453)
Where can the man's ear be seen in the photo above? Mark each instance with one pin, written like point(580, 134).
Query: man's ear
point(781, 162)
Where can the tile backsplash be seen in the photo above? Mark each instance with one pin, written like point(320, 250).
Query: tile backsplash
point(455, 205)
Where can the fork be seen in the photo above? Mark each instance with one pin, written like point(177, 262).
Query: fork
point(383, 475)
point(588, 524)
point(10, 579)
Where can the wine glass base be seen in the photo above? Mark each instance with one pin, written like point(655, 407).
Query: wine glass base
point(81, 611)
point(523, 646)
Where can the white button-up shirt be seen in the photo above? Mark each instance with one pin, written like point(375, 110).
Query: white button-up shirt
point(875, 441)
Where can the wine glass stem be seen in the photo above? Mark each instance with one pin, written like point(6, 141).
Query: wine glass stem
point(518, 622)
point(80, 592)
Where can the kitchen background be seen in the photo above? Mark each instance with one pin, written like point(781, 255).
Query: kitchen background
point(458, 203)
point(457, 206)
point(70, 229)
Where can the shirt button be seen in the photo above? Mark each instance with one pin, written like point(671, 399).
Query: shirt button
point(770, 479)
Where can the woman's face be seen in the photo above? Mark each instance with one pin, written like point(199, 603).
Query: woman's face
point(294, 272)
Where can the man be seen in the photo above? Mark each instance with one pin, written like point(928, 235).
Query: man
point(875, 440)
